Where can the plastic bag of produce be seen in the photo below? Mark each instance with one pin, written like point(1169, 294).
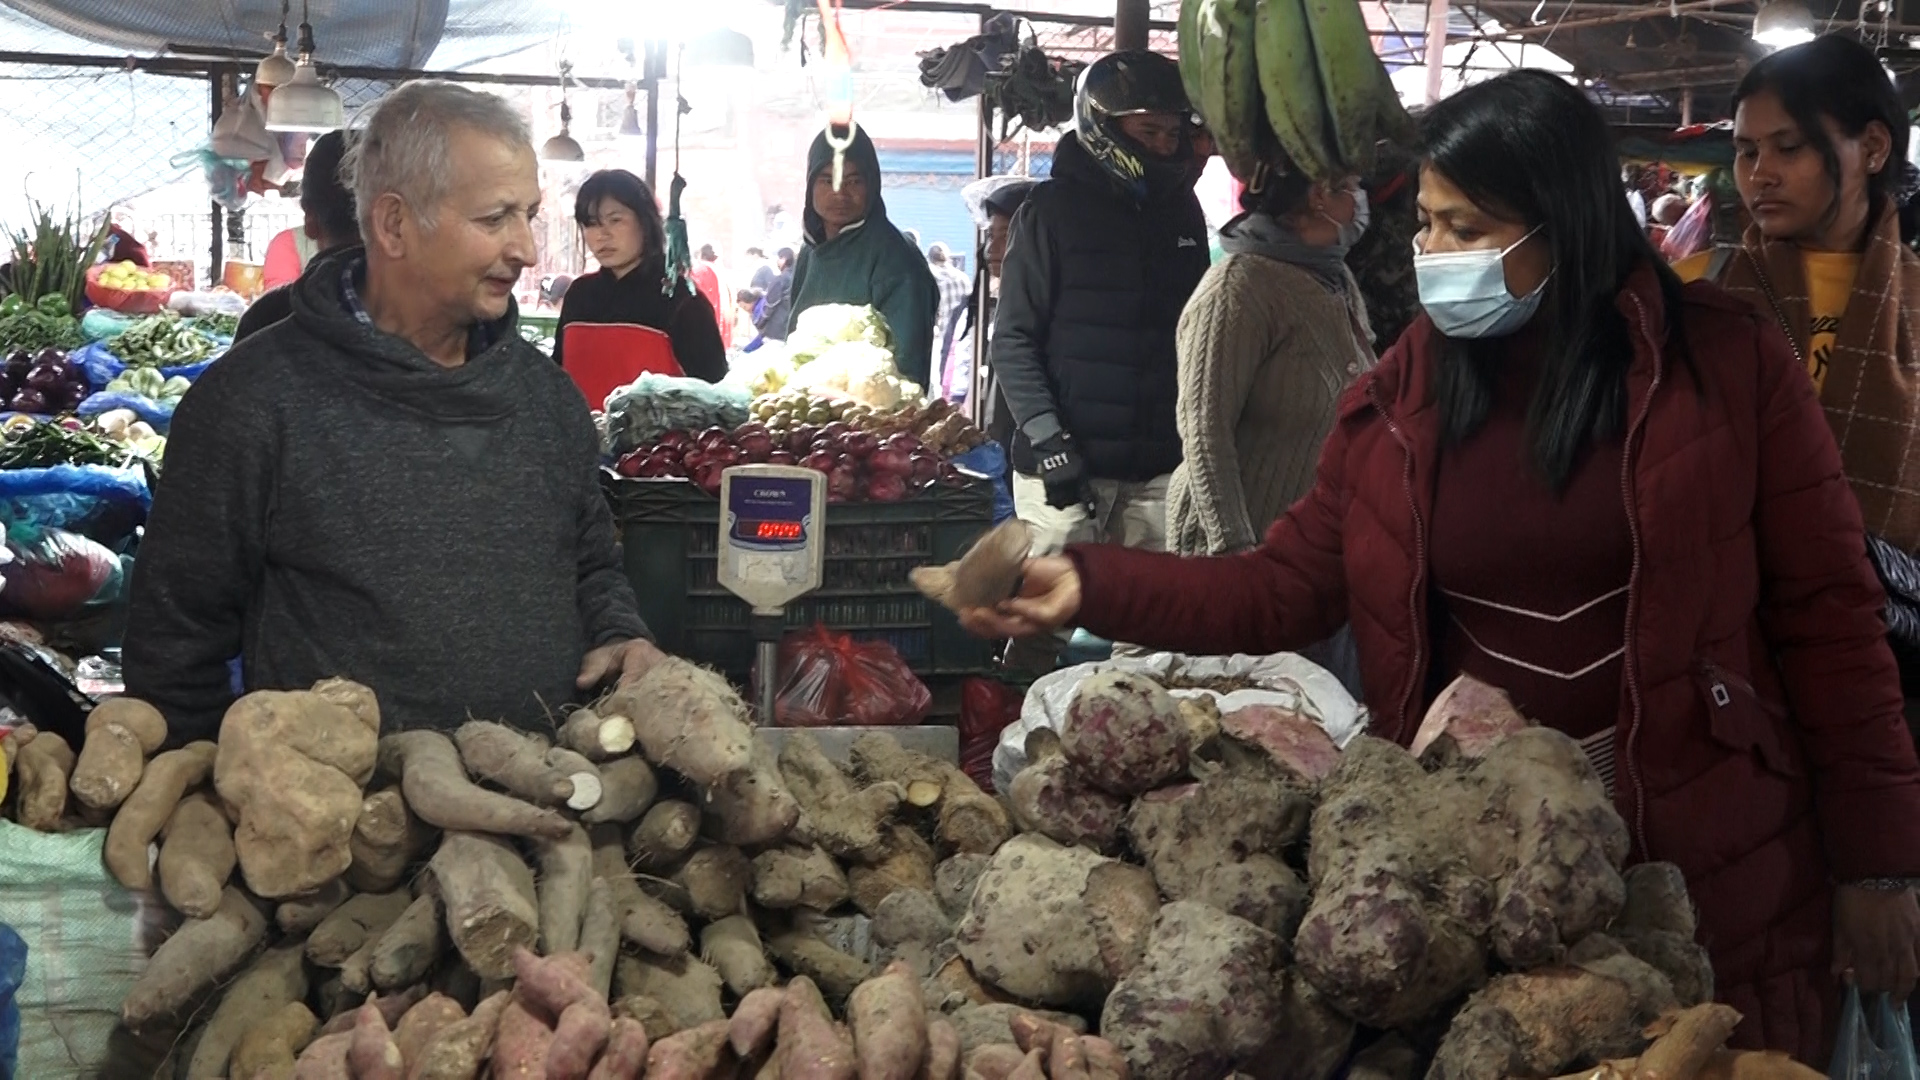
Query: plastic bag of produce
point(157, 412)
point(987, 707)
point(91, 939)
point(1284, 680)
point(103, 502)
point(989, 459)
point(58, 575)
point(653, 405)
point(1876, 1041)
point(827, 679)
point(102, 366)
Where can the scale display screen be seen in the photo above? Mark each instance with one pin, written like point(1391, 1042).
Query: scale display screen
point(770, 513)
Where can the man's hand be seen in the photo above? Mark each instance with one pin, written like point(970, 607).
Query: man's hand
point(628, 660)
point(1876, 938)
point(1049, 599)
point(1063, 472)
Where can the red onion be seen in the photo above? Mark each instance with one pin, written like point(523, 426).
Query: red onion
point(892, 461)
point(843, 484)
point(821, 460)
point(630, 464)
point(886, 487)
point(711, 438)
point(679, 440)
point(782, 457)
point(860, 444)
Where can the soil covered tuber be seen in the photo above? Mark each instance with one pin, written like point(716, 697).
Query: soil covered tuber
point(905, 862)
point(196, 857)
point(1189, 831)
point(300, 916)
point(165, 781)
point(490, 900)
point(44, 766)
point(513, 760)
point(716, 879)
point(1049, 798)
point(271, 983)
point(1124, 734)
point(566, 873)
point(798, 876)
point(1542, 1022)
point(688, 987)
point(352, 924)
point(269, 1049)
point(643, 920)
point(405, 952)
point(386, 840)
point(627, 788)
point(1658, 926)
point(954, 880)
point(665, 835)
point(1202, 1002)
point(833, 972)
point(988, 573)
point(597, 737)
point(967, 820)
point(197, 958)
point(687, 719)
point(437, 789)
point(732, 946)
point(850, 822)
point(122, 732)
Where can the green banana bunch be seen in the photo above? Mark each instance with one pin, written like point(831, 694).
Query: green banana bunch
point(1290, 79)
point(1218, 66)
point(1362, 106)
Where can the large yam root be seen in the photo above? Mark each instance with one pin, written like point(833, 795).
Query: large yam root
point(566, 873)
point(1030, 933)
point(437, 789)
point(790, 877)
point(386, 840)
point(732, 947)
point(292, 767)
point(197, 857)
point(407, 950)
point(122, 733)
point(1542, 1022)
point(1124, 734)
point(165, 782)
point(643, 920)
point(834, 973)
point(687, 719)
point(514, 760)
point(988, 573)
point(716, 879)
point(1202, 1002)
point(350, 926)
point(271, 983)
point(489, 896)
point(595, 736)
point(1418, 876)
point(753, 806)
point(1050, 799)
point(967, 820)
point(1658, 926)
point(627, 788)
point(850, 823)
point(1187, 831)
point(269, 1049)
point(905, 862)
point(44, 764)
point(195, 959)
point(686, 986)
point(666, 833)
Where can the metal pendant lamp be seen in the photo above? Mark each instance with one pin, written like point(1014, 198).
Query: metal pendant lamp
point(564, 147)
point(305, 103)
point(276, 69)
point(1782, 24)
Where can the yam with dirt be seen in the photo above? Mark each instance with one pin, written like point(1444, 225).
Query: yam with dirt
point(1311, 1041)
point(122, 732)
point(405, 952)
point(1202, 1002)
point(889, 1021)
point(165, 781)
point(1123, 733)
point(198, 957)
point(566, 873)
point(751, 807)
point(1658, 925)
point(1185, 831)
point(966, 819)
point(269, 1049)
point(387, 839)
point(301, 915)
point(798, 876)
point(687, 986)
point(596, 736)
point(276, 979)
point(461, 1048)
point(911, 917)
point(351, 925)
point(600, 935)
point(1543, 1022)
point(1472, 714)
point(981, 1026)
point(1419, 876)
point(833, 972)
point(513, 760)
point(490, 900)
point(811, 1045)
point(196, 856)
point(687, 719)
point(643, 920)
point(627, 788)
point(732, 946)
point(850, 822)
point(665, 835)
point(905, 862)
point(1032, 932)
point(1290, 739)
point(716, 879)
point(954, 880)
point(1048, 797)
point(988, 573)
point(43, 767)
point(438, 791)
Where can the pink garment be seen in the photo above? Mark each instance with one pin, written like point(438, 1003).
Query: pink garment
point(284, 261)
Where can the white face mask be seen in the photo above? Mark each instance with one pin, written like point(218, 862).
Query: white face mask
point(1465, 292)
point(1349, 232)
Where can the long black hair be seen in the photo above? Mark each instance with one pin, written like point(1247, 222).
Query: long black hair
point(629, 191)
point(1838, 79)
point(1527, 146)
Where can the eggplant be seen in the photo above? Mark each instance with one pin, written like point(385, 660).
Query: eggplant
point(46, 377)
point(29, 401)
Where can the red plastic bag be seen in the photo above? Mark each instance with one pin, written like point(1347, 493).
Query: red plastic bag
point(828, 679)
point(987, 706)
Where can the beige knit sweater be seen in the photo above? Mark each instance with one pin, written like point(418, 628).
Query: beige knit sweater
point(1265, 350)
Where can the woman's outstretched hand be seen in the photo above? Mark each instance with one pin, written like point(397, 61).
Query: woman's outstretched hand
point(1049, 599)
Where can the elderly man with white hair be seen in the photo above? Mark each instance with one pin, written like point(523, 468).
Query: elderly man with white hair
point(391, 485)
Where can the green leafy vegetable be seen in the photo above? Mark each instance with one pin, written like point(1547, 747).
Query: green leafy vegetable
point(28, 328)
point(218, 325)
point(45, 445)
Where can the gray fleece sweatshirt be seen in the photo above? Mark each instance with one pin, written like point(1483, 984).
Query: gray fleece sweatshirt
point(334, 503)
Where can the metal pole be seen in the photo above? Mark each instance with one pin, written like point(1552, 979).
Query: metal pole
point(653, 136)
point(218, 249)
point(1131, 19)
point(979, 409)
point(1686, 106)
point(1436, 47)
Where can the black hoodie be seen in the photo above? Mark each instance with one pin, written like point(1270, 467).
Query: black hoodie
point(335, 503)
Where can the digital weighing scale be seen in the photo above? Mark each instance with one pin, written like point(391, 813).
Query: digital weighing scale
point(773, 551)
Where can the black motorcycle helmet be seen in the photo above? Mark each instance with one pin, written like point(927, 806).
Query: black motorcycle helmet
point(1128, 84)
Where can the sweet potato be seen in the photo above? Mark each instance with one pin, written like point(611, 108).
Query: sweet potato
point(665, 835)
point(1472, 714)
point(626, 1053)
point(643, 920)
point(437, 789)
point(272, 982)
point(386, 840)
point(595, 736)
point(751, 806)
point(905, 862)
point(889, 1021)
point(716, 879)
point(121, 733)
point(811, 1047)
point(1202, 1002)
point(994, 1061)
point(458, 1051)
point(985, 1025)
point(522, 1042)
point(197, 958)
point(372, 1055)
point(755, 1021)
point(291, 767)
point(422, 1023)
point(42, 768)
point(988, 573)
point(699, 1053)
point(600, 935)
point(566, 872)
point(1050, 798)
point(393, 1008)
point(196, 857)
point(165, 781)
point(352, 924)
point(966, 819)
point(850, 823)
point(268, 1049)
point(943, 1051)
point(687, 719)
point(798, 876)
point(404, 953)
point(489, 896)
point(325, 1058)
point(557, 984)
point(732, 946)
point(1124, 734)
point(514, 760)
point(686, 986)
point(300, 916)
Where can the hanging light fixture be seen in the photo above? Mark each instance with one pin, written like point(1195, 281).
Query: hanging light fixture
point(1783, 24)
point(630, 116)
point(276, 69)
point(304, 103)
point(563, 147)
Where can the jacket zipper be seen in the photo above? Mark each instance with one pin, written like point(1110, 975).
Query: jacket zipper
point(1632, 667)
point(1414, 674)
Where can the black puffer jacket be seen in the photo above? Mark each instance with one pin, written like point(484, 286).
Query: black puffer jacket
point(1089, 302)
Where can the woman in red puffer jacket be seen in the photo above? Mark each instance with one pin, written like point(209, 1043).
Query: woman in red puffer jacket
point(1616, 498)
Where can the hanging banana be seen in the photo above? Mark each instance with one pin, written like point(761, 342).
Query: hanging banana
point(1217, 58)
point(1361, 103)
point(1290, 80)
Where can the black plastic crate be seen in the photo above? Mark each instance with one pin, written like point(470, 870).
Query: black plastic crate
point(670, 533)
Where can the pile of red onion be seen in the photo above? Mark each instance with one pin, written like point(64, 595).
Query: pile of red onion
point(859, 466)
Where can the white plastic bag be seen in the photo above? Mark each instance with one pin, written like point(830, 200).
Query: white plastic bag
point(1285, 680)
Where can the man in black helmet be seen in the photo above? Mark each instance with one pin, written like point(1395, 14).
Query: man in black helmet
point(1102, 259)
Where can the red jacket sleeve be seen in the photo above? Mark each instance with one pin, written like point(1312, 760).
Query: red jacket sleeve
point(1821, 612)
point(1288, 594)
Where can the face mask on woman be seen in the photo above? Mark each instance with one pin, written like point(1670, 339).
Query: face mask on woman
point(1350, 232)
point(1465, 292)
